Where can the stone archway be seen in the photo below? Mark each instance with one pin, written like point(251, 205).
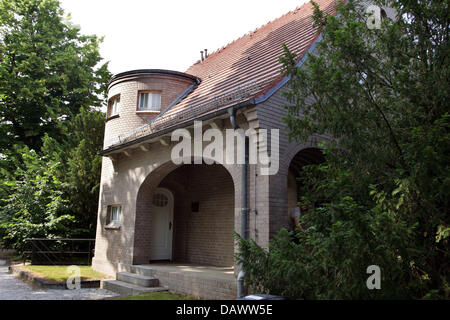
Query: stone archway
point(306, 156)
point(204, 210)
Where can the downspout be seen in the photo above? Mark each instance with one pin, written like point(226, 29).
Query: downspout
point(240, 279)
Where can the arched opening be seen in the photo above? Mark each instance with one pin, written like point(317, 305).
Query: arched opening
point(303, 158)
point(201, 230)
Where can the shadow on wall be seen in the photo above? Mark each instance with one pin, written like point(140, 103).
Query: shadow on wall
point(203, 214)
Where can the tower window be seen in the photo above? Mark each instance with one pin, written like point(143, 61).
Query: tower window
point(114, 106)
point(150, 101)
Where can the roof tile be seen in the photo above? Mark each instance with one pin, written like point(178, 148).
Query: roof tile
point(245, 68)
point(254, 56)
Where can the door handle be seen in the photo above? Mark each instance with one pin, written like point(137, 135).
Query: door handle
point(170, 225)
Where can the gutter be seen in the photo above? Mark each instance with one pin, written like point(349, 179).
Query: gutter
point(207, 116)
point(244, 209)
point(177, 100)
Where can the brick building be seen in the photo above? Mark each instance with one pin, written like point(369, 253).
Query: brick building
point(151, 209)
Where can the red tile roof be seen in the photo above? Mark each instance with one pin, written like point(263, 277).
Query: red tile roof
point(246, 68)
point(253, 58)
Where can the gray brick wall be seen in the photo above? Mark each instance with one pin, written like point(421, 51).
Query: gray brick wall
point(203, 237)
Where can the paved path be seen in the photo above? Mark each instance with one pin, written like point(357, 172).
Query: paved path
point(12, 288)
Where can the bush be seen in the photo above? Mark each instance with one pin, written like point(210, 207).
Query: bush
point(35, 207)
point(383, 196)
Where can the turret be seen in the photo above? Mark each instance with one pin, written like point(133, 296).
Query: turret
point(136, 97)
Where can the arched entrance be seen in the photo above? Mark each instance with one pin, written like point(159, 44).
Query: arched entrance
point(302, 158)
point(201, 231)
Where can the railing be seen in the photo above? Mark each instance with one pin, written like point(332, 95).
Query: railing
point(6, 252)
point(159, 123)
point(59, 251)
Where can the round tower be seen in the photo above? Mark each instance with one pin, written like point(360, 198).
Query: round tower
point(136, 97)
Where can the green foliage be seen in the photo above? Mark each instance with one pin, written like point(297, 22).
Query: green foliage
point(328, 256)
point(48, 71)
point(51, 82)
point(80, 166)
point(35, 207)
point(382, 198)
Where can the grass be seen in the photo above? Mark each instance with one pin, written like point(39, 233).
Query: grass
point(164, 295)
point(60, 274)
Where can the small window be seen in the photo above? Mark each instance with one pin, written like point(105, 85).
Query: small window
point(114, 217)
point(116, 212)
point(150, 101)
point(160, 200)
point(114, 106)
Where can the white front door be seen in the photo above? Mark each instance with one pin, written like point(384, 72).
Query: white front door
point(162, 225)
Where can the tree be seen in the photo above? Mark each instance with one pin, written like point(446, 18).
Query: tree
point(80, 166)
point(48, 71)
point(51, 82)
point(36, 207)
point(384, 191)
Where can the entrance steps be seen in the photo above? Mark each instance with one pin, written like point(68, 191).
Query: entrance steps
point(130, 283)
point(207, 282)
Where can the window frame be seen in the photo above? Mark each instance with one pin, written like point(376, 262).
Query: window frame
point(149, 92)
point(118, 213)
point(114, 222)
point(113, 102)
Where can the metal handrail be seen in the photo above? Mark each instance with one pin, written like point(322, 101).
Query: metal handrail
point(40, 247)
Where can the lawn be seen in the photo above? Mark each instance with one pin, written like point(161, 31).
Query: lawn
point(164, 295)
point(60, 274)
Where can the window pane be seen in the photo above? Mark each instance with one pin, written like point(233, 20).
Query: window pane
point(150, 101)
point(115, 213)
point(156, 101)
point(143, 101)
point(160, 200)
point(115, 106)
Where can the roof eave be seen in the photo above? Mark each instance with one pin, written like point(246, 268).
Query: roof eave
point(208, 116)
point(144, 72)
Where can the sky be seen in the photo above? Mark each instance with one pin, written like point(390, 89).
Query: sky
point(148, 34)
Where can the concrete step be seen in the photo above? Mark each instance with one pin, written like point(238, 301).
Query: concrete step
point(137, 279)
point(4, 262)
point(128, 289)
point(146, 271)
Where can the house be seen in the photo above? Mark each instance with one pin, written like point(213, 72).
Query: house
point(159, 219)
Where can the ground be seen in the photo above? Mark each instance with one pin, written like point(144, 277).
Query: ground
point(12, 288)
point(59, 273)
point(157, 296)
